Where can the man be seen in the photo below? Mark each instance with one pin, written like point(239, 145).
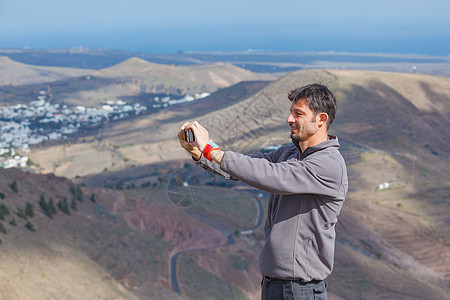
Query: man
point(307, 182)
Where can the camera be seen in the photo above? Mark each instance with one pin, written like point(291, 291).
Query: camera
point(189, 135)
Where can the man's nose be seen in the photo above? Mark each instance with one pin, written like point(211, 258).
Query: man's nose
point(290, 119)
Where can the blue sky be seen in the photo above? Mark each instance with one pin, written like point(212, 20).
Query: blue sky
point(404, 26)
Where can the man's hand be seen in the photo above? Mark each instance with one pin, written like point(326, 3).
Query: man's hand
point(189, 147)
point(201, 134)
point(201, 139)
point(196, 147)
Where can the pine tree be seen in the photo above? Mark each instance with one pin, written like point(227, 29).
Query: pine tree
point(15, 186)
point(44, 206)
point(29, 210)
point(13, 222)
point(4, 211)
point(21, 213)
point(73, 204)
point(29, 226)
point(2, 229)
point(51, 206)
point(64, 206)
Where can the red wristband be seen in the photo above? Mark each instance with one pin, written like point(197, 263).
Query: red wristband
point(210, 147)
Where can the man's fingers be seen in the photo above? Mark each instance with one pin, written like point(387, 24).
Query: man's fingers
point(183, 127)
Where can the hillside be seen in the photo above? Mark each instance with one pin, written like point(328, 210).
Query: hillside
point(392, 127)
point(16, 73)
point(365, 98)
point(155, 78)
point(81, 252)
point(134, 80)
point(106, 243)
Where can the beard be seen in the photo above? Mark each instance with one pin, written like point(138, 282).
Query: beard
point(302, 133)
point(296, 136)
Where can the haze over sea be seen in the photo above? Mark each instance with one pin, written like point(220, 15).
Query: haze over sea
point(400, 26)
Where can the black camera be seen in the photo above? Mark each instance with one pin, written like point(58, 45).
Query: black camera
point(189, 135)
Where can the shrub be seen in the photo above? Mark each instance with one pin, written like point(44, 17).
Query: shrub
point(29, 210)
point(15, 187)
point(44, 206)
point(146, 184)
point(47, 207)
point(51, 206)
point(73, 204)
point(4, 211)
point(2, 229)
point(76, 191)
point(64, 206)
point(13, 222)
point(2, 195)
point(29, 226)
point(21, 213)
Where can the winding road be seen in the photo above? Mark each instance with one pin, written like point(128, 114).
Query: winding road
point(230, 241)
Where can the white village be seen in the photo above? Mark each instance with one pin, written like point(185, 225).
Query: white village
point(24, 125)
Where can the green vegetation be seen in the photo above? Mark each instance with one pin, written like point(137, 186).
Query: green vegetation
point(47, 207)
point(2, 196)
point(240, 262)
point(13, 222)
point(30, 226)
point(64, 206)
point(146, 184)
point(73, 204)
point(21, 213)
point(51, 206)
point(77, 192)
point(15, 187)
point(2, 229)
point(4, 211)
point(29, 210)
point(192, 280)
point(235, 209)
point(93, 198)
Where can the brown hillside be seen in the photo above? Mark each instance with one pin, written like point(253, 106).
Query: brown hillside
point(89, 254)
point(156, 78)
point(16, 73)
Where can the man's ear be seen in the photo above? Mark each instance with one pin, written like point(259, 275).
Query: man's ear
point(323, 119)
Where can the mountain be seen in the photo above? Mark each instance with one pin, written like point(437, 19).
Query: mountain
point(16, 73)
point(154, 78)
point(134, 80)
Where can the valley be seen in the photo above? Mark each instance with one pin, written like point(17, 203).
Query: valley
point(392, 127)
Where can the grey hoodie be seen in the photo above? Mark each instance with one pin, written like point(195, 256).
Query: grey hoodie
point(307, 191)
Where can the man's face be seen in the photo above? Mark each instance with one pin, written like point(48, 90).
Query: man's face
point(302, 120)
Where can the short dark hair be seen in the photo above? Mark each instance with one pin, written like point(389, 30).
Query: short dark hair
point(319, 99)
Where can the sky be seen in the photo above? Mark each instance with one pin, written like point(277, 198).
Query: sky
point(158, 26)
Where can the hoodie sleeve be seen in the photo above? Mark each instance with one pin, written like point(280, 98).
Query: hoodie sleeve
point(318, 174)
point(215, 168)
